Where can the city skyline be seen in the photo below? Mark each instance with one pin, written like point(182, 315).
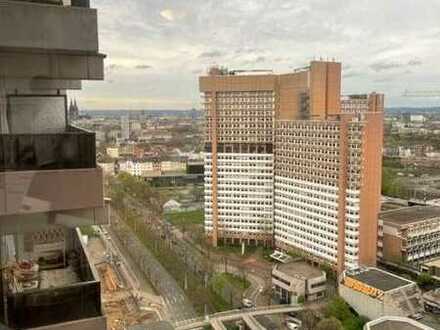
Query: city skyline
point(156, 50)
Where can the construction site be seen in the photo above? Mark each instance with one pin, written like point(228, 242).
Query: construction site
point(125, 300)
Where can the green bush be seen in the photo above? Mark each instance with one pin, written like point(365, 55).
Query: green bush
point(425, 280)
point(330, 323)
point(339, 309)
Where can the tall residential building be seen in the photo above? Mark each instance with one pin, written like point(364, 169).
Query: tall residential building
point(125, 128)
point(49, 181)
point(290, 162)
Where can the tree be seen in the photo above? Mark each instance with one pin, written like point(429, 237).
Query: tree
point(425, 280)
point(309, 320)
point(330, 323)
point(338, 308)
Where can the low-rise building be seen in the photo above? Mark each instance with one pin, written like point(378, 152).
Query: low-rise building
point(112, 152)
point(432, 268)
point(171, 205)
point(409, 234)
point(298, 279)
point(394, 322)
point(431, 301)
point(375, 293)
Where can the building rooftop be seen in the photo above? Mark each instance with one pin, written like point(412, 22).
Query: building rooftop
point(299, 268)
point(161, 325)
point(433, 263)
point(379, 279)
point(395, 323)
point(408, 215)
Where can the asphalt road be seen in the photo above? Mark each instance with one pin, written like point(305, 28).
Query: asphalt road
point(195, 258)
point(177, 305)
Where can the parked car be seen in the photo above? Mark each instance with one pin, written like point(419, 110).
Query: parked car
point(292, 325)
point(247, 303)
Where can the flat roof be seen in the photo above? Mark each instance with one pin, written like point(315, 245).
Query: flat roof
point(411, 214)
point(379, 279)
point(394, 325)
point(300, 268)
point(160, 325)
point(434, 262)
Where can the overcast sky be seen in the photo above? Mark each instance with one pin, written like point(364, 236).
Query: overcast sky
point(156, 49)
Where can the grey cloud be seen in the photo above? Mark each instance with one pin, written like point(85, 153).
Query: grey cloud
point(237, 32)
point(351, 74)
point(211, 54)
point(415, 62)
point(143, 67)
point(384, 66)
point(114, 67)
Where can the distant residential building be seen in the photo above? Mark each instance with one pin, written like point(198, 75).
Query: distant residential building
point(172, 205)
point(395, 323)
point(405, 152)
point(417, 118)
point(112, 152)
point(126, 150)
point(409, 234)
point(433, 154)
point(292, 280)
point(107, 168)
point(125, 128)
point(136, 168)
point(431, 267)
point(136, 126)
point(195, 166)
point(375, 293)
point(173, 166)
point(100, 136)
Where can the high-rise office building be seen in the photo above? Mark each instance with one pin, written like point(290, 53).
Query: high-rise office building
point(290, 162)
point(49, 181)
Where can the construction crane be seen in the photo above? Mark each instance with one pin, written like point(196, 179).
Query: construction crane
point(421, 93)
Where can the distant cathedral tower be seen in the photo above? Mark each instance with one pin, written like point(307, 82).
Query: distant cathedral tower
point(73, 111)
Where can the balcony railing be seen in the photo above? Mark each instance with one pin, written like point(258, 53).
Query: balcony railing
point(74, 3)
point(43, 307)
point(73, 149)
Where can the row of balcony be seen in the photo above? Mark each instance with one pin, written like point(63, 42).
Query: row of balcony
point(49, 172)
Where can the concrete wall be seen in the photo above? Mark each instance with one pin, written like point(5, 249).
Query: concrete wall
point(364, 305)
point(31, 25)
point(371, 185)
point(96, 323)
point(39, 191)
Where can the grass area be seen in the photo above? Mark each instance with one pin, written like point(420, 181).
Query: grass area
point(89, 231)
point(184, 218)
point(257, 251)
point(189, 192)
point(220, 280)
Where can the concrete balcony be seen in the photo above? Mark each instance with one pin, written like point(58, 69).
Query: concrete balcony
point(64, 296)
point(49, 172)
point(49, 41)
point(44, 26)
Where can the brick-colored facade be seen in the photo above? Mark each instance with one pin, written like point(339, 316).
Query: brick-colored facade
point(288, 162)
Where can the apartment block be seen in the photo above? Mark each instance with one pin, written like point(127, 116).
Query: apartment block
point(49, 180)
point(290, 162)
point(409, 234)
